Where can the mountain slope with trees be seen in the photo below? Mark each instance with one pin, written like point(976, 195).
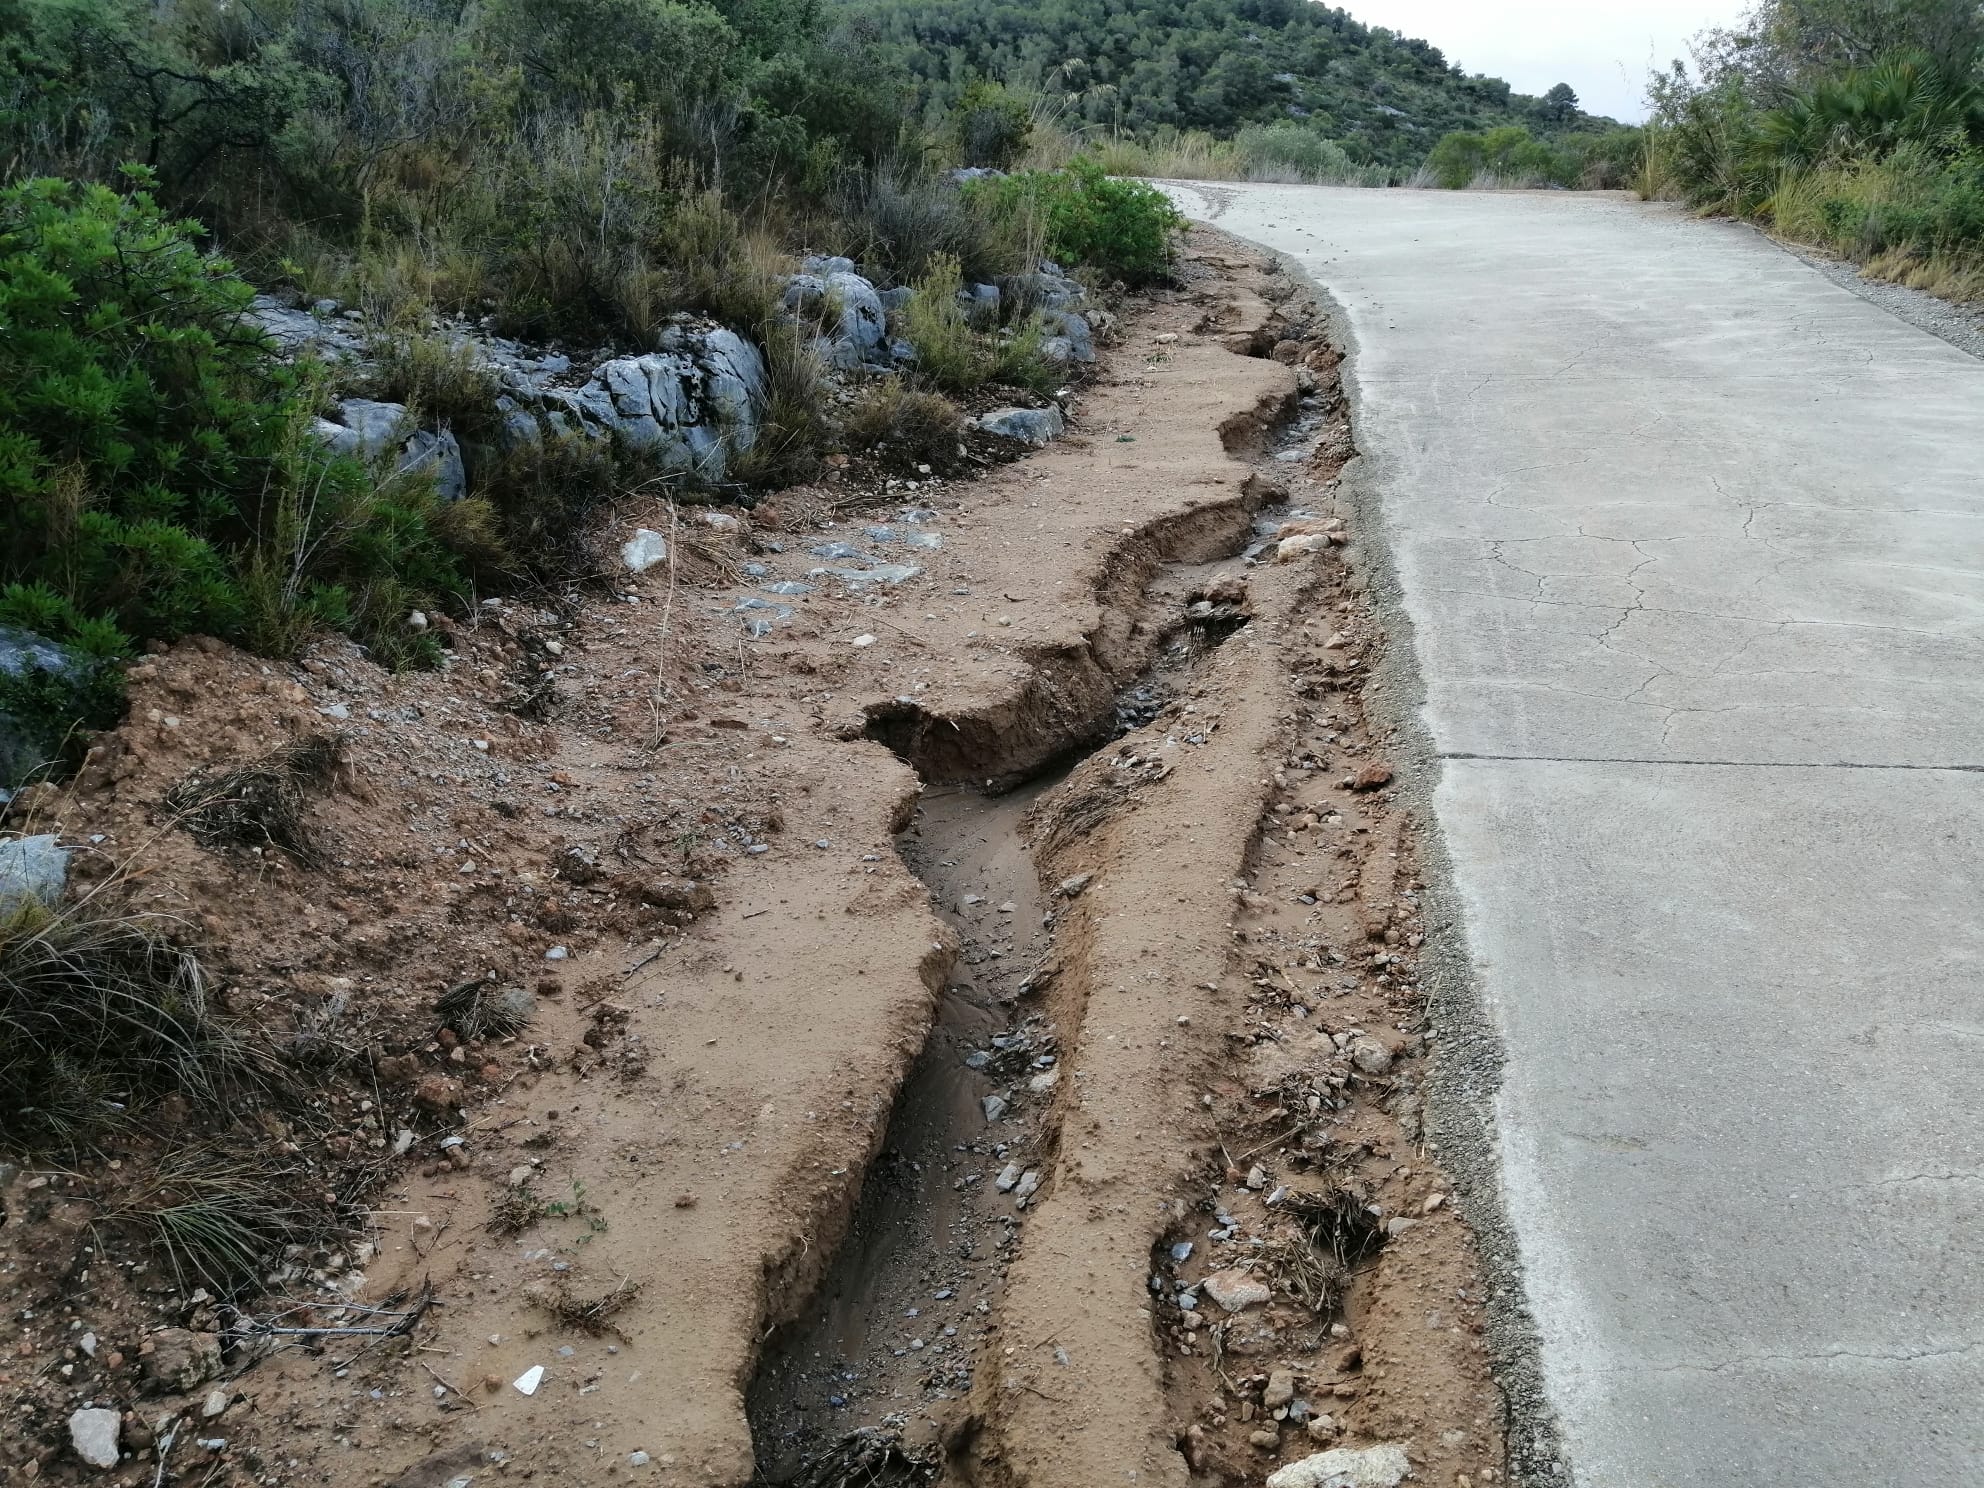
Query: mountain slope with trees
point(1137, 66)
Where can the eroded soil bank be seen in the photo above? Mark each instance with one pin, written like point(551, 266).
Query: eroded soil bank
point(979, 1010)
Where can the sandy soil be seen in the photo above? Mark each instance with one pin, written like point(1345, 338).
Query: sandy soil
point(1083, 819)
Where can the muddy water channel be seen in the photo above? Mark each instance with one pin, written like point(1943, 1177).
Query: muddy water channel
point(890, 1340)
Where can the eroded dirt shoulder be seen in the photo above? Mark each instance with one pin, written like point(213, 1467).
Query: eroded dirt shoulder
point(977, 1009)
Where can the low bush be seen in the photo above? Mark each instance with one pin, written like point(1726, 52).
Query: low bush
point(101, 1014)
point(158, 473)
point(990, 126)
point(905, 428)
point(954, 356)
point(1123, 229)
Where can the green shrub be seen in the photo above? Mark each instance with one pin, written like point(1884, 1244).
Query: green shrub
point(1123, 229)
point(158, 473)
point(989, 126)
point(953, 356)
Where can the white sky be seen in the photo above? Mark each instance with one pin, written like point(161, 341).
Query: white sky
point(1600, 47)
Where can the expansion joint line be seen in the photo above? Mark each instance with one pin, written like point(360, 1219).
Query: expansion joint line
point(1626, 759)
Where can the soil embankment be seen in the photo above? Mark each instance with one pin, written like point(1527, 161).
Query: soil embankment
point(973, 1026)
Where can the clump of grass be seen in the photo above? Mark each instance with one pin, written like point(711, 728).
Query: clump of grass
point(101, 1014)
point(592, 1315)
point(481, 1009)
point(260, 805)
point(792, 429)
point(905, 427)
point(220, 1221)
point(954, 357)
point(441, 379)
point(544, 497)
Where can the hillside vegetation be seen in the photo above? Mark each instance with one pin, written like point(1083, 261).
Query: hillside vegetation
point(1152, 72)
point(571, 172)
point(1857, 125)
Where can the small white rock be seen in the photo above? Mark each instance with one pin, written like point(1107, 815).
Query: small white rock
point(94, 1434)
point(1382, 1466)
point(527, 1382)
point(863, 642)
point(216, 1404)
point(644, 550)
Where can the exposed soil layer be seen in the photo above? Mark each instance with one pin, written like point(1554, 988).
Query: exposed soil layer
point(720, 842)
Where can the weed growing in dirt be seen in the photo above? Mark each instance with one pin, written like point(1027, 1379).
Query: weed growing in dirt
point(220, 1221)
point(480, 1009)
point(101, 1014)
point(904, 428)
point(258, 806)
point(592, 1315)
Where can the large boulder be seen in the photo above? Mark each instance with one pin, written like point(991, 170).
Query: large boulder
point(32, 870)
point(368, 429)
point(22, 746)
point(854, 326)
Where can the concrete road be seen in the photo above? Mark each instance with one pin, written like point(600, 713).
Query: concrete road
point(1691, 542)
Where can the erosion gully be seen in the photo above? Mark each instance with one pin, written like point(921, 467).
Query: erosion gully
point(856, 1389)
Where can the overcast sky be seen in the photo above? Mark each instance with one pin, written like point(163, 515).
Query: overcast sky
point(1600, 47)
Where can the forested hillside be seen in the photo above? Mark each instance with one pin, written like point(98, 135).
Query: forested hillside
point(1135, 65)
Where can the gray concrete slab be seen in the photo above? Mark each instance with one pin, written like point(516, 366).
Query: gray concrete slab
point(1691, 540)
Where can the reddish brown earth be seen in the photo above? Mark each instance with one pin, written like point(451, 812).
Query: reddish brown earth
point(1200, 1008)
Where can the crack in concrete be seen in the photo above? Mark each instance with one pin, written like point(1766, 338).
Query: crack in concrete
point(1629, 759)
point(1828, 1356)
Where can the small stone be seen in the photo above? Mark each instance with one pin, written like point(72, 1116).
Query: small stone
point(1370, 1056)
point(1280, 1389)
point(215, 1404)
point(994, 1106)
point(1236, 1290)
point(1382, 1466)
point(863, 642)
point(1071, 888)
point(1008, 1179)
point(180, 1360)
point(521, 1174)
point(437, 1093)
point(1028, 1185)
point(638, 1459)
point(94, 1435)
point(1322, 1428)
point(1264, 1440)
point(644, 550)
point(557, 953)
point(1371, 776)
point(1257, 1178)
point(1433, 1201)
point(1045, 1081)
point(1398, 1226)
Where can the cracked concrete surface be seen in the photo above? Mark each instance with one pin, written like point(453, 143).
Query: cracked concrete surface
point(1690, 541)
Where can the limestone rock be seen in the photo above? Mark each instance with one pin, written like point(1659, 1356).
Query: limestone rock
point(1035, 426)
point(94, 1434)
point(181, 1360)
point(1382, 1466)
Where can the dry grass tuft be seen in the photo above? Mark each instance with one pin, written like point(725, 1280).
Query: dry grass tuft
point(259, 805)
point(592, 1315)
point(222, 1221)
point(867, 1458)
point(101, 1014)
point(482, 1009)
